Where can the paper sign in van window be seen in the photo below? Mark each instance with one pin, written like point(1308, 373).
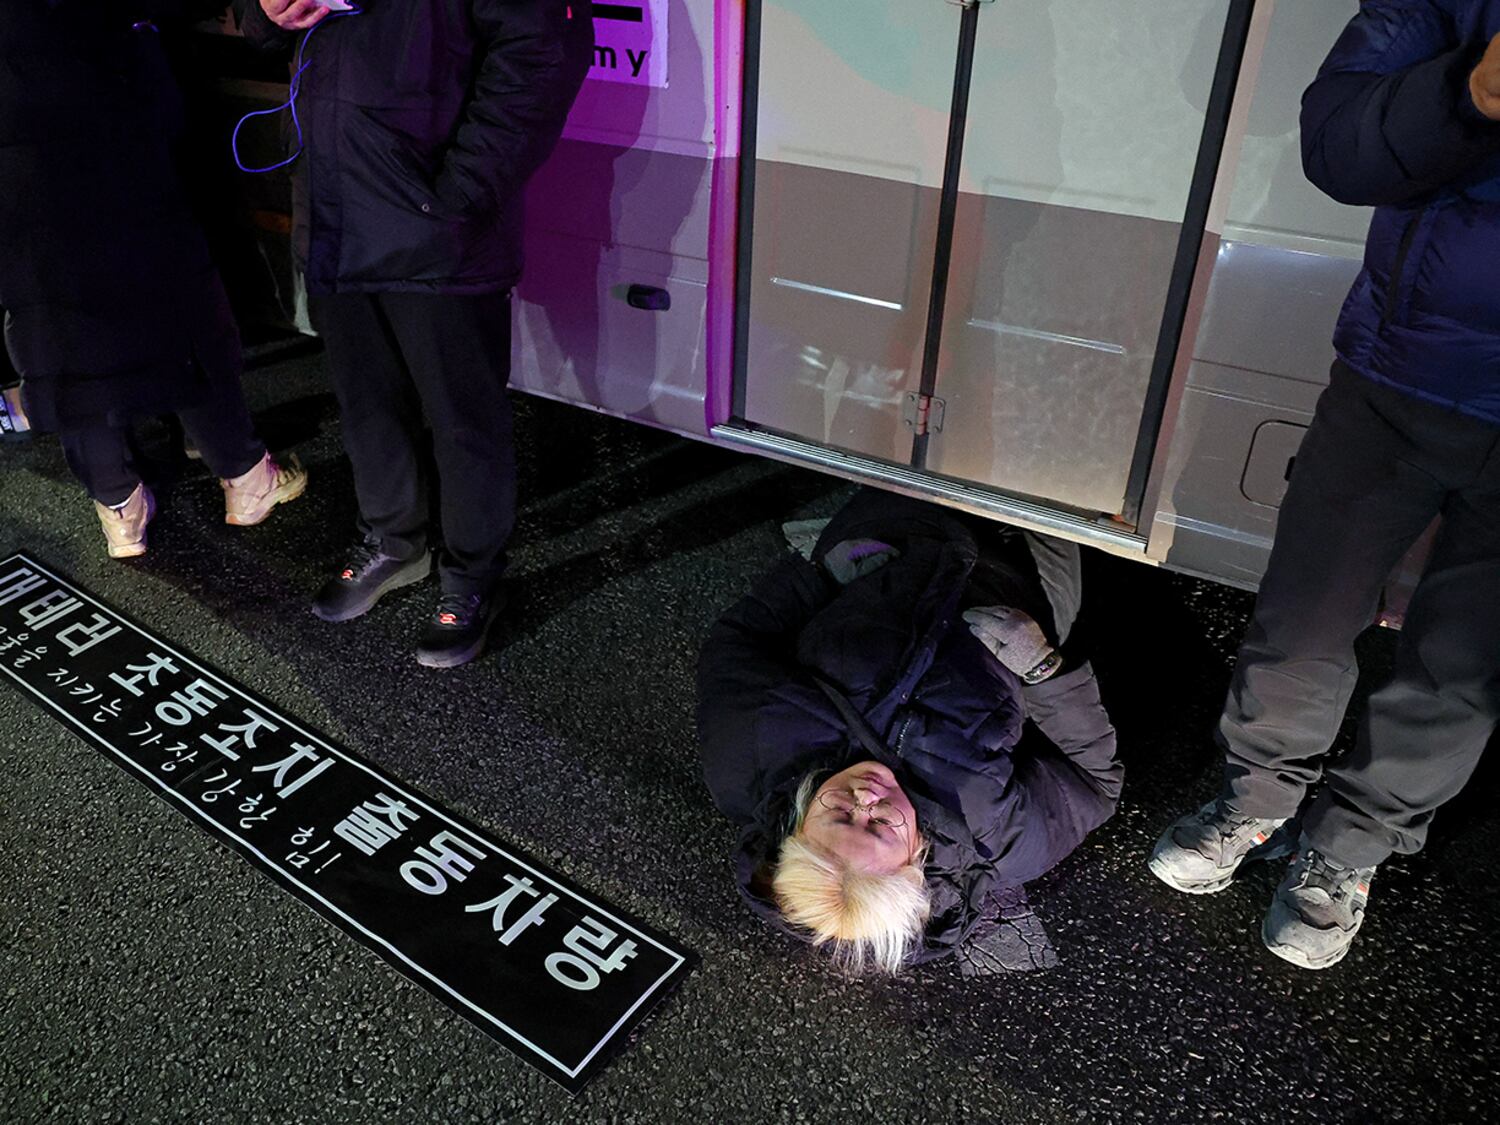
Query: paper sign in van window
point(630, 43)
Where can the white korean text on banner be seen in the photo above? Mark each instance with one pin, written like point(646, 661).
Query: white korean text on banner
point(552, 972)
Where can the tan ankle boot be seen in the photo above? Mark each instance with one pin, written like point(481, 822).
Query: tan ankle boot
point(249, 498)
point(125, 528)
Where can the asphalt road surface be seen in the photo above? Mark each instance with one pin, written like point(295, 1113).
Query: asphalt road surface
point(148, 974)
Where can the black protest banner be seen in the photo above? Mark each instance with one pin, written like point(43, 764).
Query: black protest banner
point(554, 973)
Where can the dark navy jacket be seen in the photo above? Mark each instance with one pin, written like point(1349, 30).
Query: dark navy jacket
point(997, 810)
point(1390, 122)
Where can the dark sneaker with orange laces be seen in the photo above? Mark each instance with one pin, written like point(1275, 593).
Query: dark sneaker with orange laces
point(459, 628)
point(365, 578)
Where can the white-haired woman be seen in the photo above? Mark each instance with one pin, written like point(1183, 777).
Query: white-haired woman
point(860, 716)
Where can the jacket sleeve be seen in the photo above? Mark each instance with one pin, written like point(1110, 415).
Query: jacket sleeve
point(754, 708)
point(535, 60)
point(258, 29)
point(1054, 800)
point(1390, 117)
point(1068, 710)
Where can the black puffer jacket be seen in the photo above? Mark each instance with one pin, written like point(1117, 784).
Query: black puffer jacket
point(114, 307)
point(998, 812)
point(421, 122)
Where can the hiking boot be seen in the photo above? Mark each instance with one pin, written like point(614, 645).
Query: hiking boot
point(249, 497)
point(1317, 910)
point(1200, 853)
point(458, 630)
point(367, 577)
point(125, 526)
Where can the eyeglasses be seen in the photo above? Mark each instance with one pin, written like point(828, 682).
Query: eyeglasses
point(842, 801)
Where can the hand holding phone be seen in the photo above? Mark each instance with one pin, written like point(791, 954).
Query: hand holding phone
point(295, 15)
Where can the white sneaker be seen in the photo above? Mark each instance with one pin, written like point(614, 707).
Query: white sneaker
point(125, 527)
point(249, 498)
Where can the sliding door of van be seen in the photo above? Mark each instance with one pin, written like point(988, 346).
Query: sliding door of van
point(974, 232)
point(851, 111)
point(1084, 127)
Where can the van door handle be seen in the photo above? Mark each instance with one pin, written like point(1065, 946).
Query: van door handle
point(648, 297)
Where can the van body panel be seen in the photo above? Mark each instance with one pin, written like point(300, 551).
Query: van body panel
point(777, 299)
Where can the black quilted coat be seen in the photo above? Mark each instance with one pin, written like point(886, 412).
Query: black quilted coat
point(998, 810)
point(421, 122)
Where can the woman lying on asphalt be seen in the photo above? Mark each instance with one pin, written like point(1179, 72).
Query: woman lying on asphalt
point(860, 717)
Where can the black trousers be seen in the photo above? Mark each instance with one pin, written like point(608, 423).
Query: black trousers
point(395, 358)
point(1374, 469)
point(220, 428)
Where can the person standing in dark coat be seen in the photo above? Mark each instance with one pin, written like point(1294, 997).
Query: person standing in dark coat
point(113, 309)
point(1404, 115)
point(860, 719)
point(420, 122)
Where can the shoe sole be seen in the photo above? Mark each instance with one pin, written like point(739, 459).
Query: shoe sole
point(283, 495)
point(1217, 885)
point(1295, 956)
point(1224, 881)
point(395, 582)
point(449, 660)
point(473, 652)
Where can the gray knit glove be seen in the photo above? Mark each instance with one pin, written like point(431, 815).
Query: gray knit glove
point(1016, 640)
point(855, 558)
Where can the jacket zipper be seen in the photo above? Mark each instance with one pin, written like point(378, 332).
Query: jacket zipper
point(901, 736)
point(1398, 269)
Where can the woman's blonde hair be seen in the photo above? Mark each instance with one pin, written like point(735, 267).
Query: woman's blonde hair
point(871, 921)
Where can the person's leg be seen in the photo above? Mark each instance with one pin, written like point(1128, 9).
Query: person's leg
point(1059, 566)
point(1361, 493)
point(1364, 487)
point(222, 431)
point(1424, 731)
point(1419, 742)
point(224, 437)
point(458, 351)
point(99, 456)
point(380, 421)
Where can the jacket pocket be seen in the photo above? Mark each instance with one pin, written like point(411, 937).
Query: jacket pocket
point(388, 163)
point(1396, 284)
point(394, 227)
